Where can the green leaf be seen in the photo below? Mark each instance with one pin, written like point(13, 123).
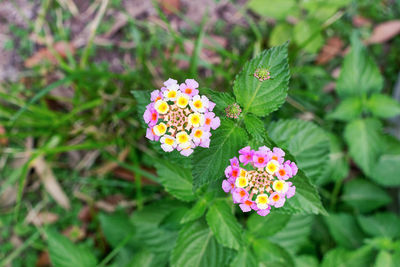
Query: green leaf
point(271, 254)
point(294, 234)
point(306, 261)
point(359, 74)
point(363, 136)
point(338, 165)
point(380, 224)
point(274, 9)
point(341, 257)
point(210, 163)
point(386, 170)
point(244, 258)
point(224, 225)
point(383, 106)
point(116, 227)
point(387, 259)
point(307, 142)
point(145, 258)
point(348, 109)
point(307, 35)
point(196, 246)
point(255, 127)
point(280, 34)
point(266, 226)
point(63, 253)
point(306, 200)
point(221, 99)
point(198, 209)
point(176, 179)
point(263, 97)
point(364, 196)
point(344, 230)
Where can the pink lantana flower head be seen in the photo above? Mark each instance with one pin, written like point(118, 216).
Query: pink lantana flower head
point(179, 117)
point(262, 184)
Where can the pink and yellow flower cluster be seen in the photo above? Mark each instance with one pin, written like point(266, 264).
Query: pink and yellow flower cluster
point(179, 117)
point(258, 179)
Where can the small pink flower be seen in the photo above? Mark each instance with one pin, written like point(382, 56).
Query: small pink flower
point(291, 190)
point(294, 168)
point(246, 155)
point(171, 84)
point(234, 162)
point(210, 121)
point(239, 195)
point(211, 106)
point(150, 116)
point(246, 205)
point(189, 87)
point(260, 159)
point(264, 212)
point(227, 186)
point(277, 154)
point(150, 135)
point(156, 95)
point(232, 172)
point(277, 200)
point(285, 172)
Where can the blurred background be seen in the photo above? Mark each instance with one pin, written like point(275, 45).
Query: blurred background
point(73, 157)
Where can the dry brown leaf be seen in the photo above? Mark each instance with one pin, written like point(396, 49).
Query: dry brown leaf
point(86, 214)
point(8, 197)
point(332, 48)
point(50, 182)
point(360, 21)
point(46, 54)
point(384, 32)
point(3, 138)
point(128, 175)
point(110, 166)
point(43, 260)
point(41, 218)
point(170, 6)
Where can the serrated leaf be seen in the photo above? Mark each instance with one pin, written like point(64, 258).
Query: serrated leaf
point(338, 165)
point(380, 224)
point(307, 142)
point(307, 35)
point(198, 209)
point(364, 196)
point(209, 163)
point(348, 109)
point(221, 99)
point(359, 74)
point(176, 179)
point(255, 127)
point(145, 258)
point(224, 225)
point(63, 253)
point(306, 200)
point(383, 106)
point(196, 246)
point(306, 261)
point(344, 258)
point(294, 234)
point(244, 258)
point(116, 227)
point(271, 253)
point(344, 230)
point(263, 97)
point(363, 136)
point(267, 226)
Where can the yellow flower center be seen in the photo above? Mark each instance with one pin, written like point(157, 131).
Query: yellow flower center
point(198, 104)
point(182, 101)
point(198, 133)
point(169, 141)
point(171, 94)
point(276, 197)
point(262, 199)
point(182, 138)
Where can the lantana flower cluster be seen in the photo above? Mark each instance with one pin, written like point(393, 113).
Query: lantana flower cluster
point(263, 182)
point(179, 117)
